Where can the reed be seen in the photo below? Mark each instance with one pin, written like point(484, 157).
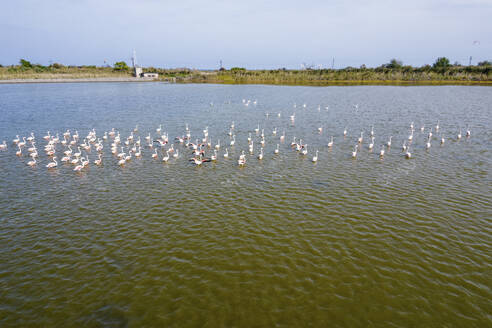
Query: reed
point(389, 74)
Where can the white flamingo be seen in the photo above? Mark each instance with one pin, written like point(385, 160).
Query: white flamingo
point(315, 157)
point(242, 159)
point(354, 153)
point(68, 152)
point(371, 145)
point(99, 160)
point(22, 143)
point(166, 158)
point(79, 153)
point(52, 164)
point(389, 142)
point(31, 138)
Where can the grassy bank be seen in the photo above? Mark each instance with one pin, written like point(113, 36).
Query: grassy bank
point(350, 76)
point(62, 72)
point(402, 75)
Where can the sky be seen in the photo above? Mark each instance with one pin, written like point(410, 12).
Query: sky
point(253, 34)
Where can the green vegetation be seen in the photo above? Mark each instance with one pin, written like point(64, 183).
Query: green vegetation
point(25, 64)
point(28, 70)
point(441, 62)
point(393, 73)
point(394, 63)
point(121, 66)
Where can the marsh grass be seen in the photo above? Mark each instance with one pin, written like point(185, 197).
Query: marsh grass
point(404, 75)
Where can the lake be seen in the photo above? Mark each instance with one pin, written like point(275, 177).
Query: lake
point(344, 242)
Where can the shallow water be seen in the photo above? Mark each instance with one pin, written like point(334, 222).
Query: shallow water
point(280, 242)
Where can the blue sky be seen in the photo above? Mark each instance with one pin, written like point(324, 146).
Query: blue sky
point(252, 34)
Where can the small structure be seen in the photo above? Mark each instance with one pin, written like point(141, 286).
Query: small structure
point(138, 72)
point(150, 75)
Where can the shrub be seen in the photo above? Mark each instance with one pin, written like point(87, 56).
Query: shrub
point(485, 63)
point(25, 64)
point(121, 66)
point(441, 62)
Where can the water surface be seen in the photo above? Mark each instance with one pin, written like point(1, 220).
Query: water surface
point(280, 242)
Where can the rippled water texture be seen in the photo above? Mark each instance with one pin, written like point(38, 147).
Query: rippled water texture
point(363, 242)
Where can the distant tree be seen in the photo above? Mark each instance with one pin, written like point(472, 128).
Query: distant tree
point(457, 63)
point(485, 63)
point(25, 64)
point(441, 62)
point(363, 66)
point(56, 65)
point(238, 69)
point(394, 63)
point(120, 66)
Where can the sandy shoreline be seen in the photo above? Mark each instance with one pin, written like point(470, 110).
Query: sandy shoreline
point(81, 80)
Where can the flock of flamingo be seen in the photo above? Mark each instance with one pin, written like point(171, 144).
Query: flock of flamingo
point(71, 147)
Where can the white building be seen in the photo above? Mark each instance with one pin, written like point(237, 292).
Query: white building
point(150, 75)
point(138, 70)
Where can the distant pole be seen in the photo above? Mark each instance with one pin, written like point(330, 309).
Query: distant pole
point(333, 63)
point(134, 58)
point(220, 64)
point(469, 62)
